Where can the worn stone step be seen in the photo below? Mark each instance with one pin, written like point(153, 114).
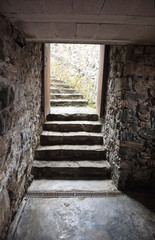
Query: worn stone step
point(48, 186)
point(77, 138)
point(71, 170)
point(72, 126)
point(72, 117)
point(62, 90)
point(68, 102)
point(66, 96)
point(56, 80)
point(70, 152)
point(59, 85)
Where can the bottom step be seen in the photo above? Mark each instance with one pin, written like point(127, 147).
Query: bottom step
point(71, 170)
point(71, 186)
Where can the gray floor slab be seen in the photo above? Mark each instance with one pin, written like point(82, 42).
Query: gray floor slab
point(109, 218)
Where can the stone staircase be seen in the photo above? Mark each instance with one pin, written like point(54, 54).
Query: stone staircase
point(71, 144)
point(63, 95)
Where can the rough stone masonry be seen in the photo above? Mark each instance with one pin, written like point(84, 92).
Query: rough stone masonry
point(20, 117)
point(129, 124)
point(129, 127)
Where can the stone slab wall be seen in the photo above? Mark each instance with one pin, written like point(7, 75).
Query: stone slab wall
point(20, 117)
point(129, 127)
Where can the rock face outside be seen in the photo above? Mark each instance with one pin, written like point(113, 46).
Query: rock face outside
point(20, 117)
point(78, 64)
point(129, 124)
point(71, 143)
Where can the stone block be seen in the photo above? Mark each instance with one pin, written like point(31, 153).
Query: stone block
point(25, 137)
point(46, 31)
point(5, 122)
point(150, 49)
point(87, 30)
point(142, 113)
point(152, 117)
point(149, 60)
point(147, 134)
point(59, 6)
point(129, 115)
point(6, 96)
point(92, 7)
point(126, 135)
point(4, 212)
point(138, 50)
point(65, 30)
point(121, 84)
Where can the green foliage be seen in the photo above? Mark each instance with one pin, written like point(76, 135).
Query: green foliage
point(72, 76)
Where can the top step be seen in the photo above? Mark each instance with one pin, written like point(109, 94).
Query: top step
point(56, 80)
point(72, 114)
point(59, 85)
point(72, 117)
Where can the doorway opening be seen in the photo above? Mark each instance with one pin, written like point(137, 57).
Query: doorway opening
point(78, 66)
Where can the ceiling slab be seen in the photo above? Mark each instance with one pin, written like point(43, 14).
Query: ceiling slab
point(87, 31)
point(65, 30)
point(88, 7)
point(91, 21)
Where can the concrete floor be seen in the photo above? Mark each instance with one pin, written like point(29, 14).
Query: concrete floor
point(119, 217)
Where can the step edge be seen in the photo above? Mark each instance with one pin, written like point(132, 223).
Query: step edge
point(74, 122)
point(71, 147)
point(73, 164)
point(67, 134)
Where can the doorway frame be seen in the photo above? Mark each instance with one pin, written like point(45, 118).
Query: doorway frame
point(46, 79)
point(102, 80)
point(101, 83)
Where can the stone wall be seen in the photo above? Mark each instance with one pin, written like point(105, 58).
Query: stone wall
point(129, 128)
point(20, 117)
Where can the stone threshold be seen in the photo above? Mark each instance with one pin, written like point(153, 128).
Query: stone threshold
point(74, 194)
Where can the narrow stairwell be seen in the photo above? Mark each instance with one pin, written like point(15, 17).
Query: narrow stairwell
point(71, 144)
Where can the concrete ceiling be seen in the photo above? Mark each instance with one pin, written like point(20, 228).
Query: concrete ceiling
point(89, 21)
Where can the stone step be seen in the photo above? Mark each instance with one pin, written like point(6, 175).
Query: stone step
point(49, 186)
point(62, 90)
point(57, 81)
point(71, 170)
point(70, 152)
point(59, 85)
point(77, 138)
point(66, 96)
point(72, 117)
point(72, 126)
point(68, 102)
